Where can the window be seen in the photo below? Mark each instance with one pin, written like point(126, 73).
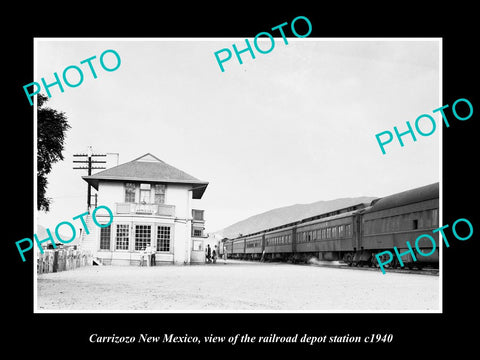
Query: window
point(142, 236)
point(145, 193)
point(334, 232)
point(435, 217)
point(415, 224)
point(341, 231)
point(324, 233)
point(329, 233)
point(348, 230)
point(197, 214)
point(163, 238)
point(197, 232)
point(122, 237)
point(197, 245)
point(105, 238)
point(159, 194)
point(130, 192)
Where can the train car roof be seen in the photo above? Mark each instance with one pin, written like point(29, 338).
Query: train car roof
point(419, 194)
point(325, 216)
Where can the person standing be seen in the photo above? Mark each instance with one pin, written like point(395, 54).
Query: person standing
point(148, 254)
point(209, 253)
point(224, 254)
point(214, 254)
point(152, 257)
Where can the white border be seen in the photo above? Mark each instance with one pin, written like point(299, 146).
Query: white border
point(202, 311)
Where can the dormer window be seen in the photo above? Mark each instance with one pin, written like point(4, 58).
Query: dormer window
point(129, 192)
point(145, 193)
point(159, 194)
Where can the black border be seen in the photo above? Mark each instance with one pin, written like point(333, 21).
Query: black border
point(413, 333)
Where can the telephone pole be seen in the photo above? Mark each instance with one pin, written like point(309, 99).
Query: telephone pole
point(87, 159)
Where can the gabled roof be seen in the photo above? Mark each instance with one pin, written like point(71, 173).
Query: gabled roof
point(148, 168)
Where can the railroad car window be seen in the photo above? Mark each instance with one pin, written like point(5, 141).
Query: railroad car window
point(384, 225)
point(366, 227)
point(415, 224)
point(329, 233)
point(396, 223)
point(324, 233)
point(341, 231)
point(334, 232)
point(393, 223)
point(435, 217)
point(348, 230)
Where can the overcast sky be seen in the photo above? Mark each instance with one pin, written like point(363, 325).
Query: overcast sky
point(296, 125)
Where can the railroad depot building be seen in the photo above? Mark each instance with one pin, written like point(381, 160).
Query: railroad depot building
point(151, 202)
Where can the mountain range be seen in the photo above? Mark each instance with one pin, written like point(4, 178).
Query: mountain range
point(287, 214)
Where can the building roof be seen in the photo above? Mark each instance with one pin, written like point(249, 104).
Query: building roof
point(148, 168)
point(422, 193)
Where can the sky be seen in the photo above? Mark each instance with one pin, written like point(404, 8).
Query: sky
point(294, 126)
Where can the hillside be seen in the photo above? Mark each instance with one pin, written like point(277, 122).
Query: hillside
point(287, 214)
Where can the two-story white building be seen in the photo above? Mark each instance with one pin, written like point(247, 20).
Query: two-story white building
point(152, 206)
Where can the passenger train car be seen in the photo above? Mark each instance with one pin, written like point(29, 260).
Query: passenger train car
point(353, 235)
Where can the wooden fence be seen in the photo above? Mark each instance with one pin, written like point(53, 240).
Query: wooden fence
point(56, 260)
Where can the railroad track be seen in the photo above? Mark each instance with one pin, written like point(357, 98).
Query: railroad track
point(425, 271)
point(339, 265)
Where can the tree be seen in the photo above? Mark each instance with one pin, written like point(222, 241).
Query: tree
point(52, 126)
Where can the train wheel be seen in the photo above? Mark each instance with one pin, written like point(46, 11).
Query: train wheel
point(374, 261)
point(348, 259)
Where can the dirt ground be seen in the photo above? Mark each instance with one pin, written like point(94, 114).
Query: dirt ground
point(237, 285)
